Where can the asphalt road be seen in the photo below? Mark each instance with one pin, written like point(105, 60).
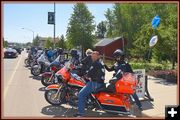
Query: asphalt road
point(23, 94)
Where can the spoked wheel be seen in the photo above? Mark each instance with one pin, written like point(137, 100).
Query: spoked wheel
point(53, 97)
point(35, 70)
point(45, 80)
point(32, 63)
point(26, 62)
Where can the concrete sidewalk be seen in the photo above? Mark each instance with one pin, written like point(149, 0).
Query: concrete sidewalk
point(164, 93)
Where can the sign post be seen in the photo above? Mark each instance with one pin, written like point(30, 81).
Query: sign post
point(51, 20)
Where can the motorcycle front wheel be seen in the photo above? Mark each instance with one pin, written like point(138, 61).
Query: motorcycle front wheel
point(26, 62)
point(52, 97)
point(35, 70)
point(45, 80)
point(32, 63)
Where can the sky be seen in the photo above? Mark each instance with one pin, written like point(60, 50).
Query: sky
point(34, 17)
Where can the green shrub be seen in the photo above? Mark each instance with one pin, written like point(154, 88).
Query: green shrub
point(144, 65)
point(147, 66)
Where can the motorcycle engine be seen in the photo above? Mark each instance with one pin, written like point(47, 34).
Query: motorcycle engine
point(73, 96)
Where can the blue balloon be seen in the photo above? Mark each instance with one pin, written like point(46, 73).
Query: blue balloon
point(155, 21)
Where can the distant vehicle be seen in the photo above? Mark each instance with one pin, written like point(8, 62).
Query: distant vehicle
point(18, 50)
point(27, 49)
point(10, 53)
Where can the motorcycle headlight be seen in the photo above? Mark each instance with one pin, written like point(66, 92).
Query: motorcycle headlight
point(59, 78)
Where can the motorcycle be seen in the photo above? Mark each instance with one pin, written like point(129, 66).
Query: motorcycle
point(41, 66)
point(28, 60)
point(69, 85)
point(48, 77)
point(32, 59)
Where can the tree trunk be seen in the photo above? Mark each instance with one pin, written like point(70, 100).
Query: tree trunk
point(173, 62)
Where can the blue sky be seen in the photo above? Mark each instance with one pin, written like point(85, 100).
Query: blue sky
point(34, 17)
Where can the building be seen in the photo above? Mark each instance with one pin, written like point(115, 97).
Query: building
point(107, 46)
point(42, 41)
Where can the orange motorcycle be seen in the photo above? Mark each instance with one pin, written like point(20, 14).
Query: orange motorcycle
point(69, 85)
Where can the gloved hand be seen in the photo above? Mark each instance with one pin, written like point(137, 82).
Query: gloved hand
point(113, 80)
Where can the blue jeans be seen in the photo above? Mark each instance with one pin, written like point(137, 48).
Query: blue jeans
point(84, 93)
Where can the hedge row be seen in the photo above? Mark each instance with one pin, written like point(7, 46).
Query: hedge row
point(149, 66)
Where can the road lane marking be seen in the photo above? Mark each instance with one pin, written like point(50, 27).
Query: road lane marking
point(12, 76)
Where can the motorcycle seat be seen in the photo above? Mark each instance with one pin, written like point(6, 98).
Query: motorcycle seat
point(103, 89)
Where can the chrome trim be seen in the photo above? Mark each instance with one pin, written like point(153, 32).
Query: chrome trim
point(114, 105)
point(97, 101)
point(127, 113)
point(75, 85)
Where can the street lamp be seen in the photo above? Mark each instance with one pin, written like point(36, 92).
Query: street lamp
point(29, 30)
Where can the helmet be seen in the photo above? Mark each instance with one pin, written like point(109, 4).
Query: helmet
point(46, 51)
point(88, 52)
point(118, 53)
point(60, 50)
point(74, 53)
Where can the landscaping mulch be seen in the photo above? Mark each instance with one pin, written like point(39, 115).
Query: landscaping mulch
point(169, 75)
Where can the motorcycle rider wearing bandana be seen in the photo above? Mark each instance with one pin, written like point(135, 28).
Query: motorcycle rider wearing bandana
point(121, 65)
point(96, 76)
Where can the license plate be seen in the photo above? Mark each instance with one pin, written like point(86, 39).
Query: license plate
point(9, 54)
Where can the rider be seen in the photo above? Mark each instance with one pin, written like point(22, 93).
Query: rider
point(87, 61)
point(75, 57)
point(50, 54)
point(60, 59)
point(96, 76)
point(121, 65)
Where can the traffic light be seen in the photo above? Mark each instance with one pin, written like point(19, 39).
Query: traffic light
point(51, 18)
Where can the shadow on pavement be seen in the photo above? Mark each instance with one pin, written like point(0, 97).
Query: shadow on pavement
point(42, 89)
point(35, 77)
point(10, 58)
point(146, 105)
point(163, 81)
point(60, 111)
point(26, 66)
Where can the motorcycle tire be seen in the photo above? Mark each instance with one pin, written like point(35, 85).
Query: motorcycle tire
point(44, 80)
point(35, 71)
point(32, 63)
point(26, 62)
point(48, 96)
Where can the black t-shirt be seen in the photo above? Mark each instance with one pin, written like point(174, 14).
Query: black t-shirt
point(87, 62)
point(97, 72)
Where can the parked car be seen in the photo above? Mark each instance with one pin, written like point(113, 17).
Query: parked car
point(18, 50)
point(10, 53)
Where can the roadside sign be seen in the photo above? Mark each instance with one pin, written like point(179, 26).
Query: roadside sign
point(51, 18)
point(140, 89)
point(153, 41)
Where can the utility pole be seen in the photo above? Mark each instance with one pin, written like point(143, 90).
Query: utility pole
point(29, 30)
point(54, 22)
